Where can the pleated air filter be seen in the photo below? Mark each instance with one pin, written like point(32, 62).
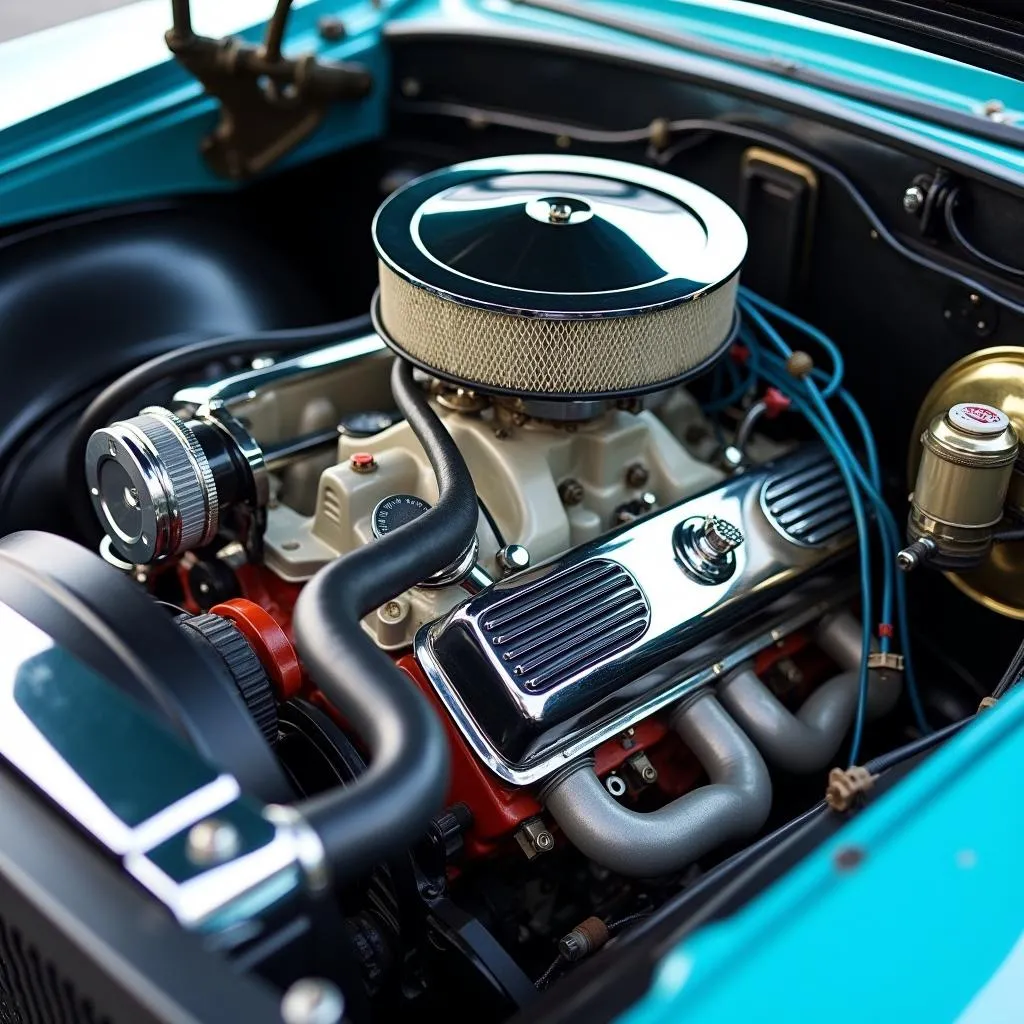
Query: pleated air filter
point(557, 277)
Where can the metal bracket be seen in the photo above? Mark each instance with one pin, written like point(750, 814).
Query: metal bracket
point(268, 103)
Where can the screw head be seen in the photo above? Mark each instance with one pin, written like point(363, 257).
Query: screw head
point(570, 491)
point(313, 1001)
point(212, 842)
point(913, 199)
point(544, 841)
point(637, 475)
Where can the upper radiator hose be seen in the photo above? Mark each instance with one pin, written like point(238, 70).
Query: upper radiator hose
point(390, 805)
point(736, 803)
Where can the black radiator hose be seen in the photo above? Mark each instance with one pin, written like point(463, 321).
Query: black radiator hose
point(390, 805)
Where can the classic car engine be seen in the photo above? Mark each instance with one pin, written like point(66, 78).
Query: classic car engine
point(433, 651)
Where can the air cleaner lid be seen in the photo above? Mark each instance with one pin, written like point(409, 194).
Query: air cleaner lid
point(556, 239)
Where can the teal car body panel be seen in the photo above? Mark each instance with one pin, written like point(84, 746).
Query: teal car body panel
point(134, 137)
point(927, 923)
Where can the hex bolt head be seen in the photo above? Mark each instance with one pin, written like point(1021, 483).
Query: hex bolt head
point(212, 842)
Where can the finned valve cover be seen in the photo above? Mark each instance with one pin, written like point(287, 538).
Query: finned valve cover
point(557, 277)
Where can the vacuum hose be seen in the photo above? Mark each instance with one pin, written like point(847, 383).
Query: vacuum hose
point(390, 805)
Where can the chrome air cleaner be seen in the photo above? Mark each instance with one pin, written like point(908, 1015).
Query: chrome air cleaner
point(557, 277)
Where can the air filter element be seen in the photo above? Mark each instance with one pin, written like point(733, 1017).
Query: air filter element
point(557, 277)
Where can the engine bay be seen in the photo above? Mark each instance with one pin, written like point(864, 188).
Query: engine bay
point(438, 648)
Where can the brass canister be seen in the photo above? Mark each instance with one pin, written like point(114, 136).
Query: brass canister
point(967, 461)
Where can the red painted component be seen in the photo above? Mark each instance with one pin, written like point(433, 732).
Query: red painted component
point(362, 462)
point(885, 629)
point(268, 640)
point(271, 593)
point(775, 402)
point(498, 809)
point(740, 354)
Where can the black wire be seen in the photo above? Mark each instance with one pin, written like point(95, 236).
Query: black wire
point(1012, 674)
point(625, 922)
point(961, 239)
point(109, 402)
point(545, 979)
point(492, 523)
point(892, 758)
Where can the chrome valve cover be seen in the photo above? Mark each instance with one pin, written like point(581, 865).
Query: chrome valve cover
point(545, 665)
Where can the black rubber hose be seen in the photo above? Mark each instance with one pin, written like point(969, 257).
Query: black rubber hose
point(113, 398)
point(390, 806)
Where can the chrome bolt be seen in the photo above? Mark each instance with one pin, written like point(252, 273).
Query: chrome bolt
point(212, 842)
point(637, 475)
point(913, 199)
point(513, 558)
point(570, 491)
point(313, 1001)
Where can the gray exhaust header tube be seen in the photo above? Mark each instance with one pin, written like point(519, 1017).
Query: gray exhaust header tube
point(734, 804)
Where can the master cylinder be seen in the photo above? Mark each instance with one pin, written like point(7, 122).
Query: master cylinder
point(967, 459)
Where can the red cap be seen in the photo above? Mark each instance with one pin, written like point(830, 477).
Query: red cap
point(775, 402)
point(362, 462)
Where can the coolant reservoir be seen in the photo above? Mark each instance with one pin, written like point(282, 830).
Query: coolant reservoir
point(967, 460)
